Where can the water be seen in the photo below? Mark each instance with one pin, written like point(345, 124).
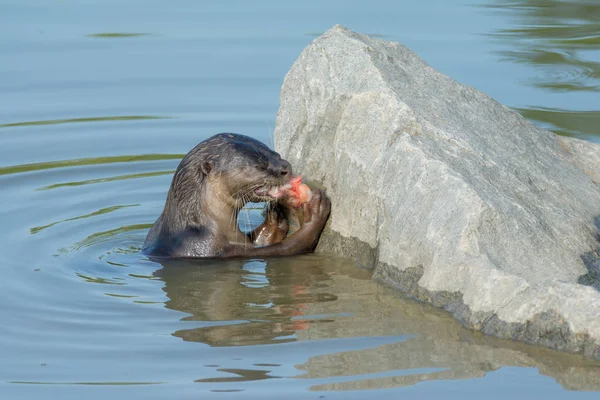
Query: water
point(99, 100)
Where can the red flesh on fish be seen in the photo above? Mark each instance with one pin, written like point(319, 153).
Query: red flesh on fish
point(298, 193)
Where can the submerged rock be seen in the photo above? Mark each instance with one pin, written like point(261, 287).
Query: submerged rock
point(449, 195)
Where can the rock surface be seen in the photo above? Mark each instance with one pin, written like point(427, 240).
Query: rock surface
point(449, 195)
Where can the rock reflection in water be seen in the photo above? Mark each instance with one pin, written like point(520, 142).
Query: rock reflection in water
point(312, 298)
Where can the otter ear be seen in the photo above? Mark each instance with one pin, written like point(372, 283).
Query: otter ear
point(206, 167)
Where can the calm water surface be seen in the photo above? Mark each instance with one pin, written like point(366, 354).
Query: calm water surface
point(99, 101)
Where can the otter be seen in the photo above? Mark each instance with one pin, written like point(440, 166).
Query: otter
point(211, 185)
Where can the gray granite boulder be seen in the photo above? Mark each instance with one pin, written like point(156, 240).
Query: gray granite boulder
point(449, 195)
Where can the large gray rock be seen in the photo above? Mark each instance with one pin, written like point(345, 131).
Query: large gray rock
point(452, 197)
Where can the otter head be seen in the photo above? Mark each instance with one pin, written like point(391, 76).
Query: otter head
point(236, 167)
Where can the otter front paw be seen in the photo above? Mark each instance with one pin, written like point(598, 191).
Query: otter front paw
point(273, 230)
point(316, 212)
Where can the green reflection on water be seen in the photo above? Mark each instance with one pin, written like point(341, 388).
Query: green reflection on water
point(111, 179)
point(105, 210)
point(587, 42)
point(565, 71)
point(15, 169)
point(116, 35)
point(77, 120)
point(115, 264)
point(142, 276)
point(126, 250)
point(566, 123)
point(95, 279)
point(565, 19)
point(556, 38)
point(124, 296)
point(553, 37)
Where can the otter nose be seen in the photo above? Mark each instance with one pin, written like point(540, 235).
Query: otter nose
point(284, 169)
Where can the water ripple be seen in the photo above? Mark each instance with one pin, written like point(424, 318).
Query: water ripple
point(555, 38)
point(81, 120)
point(109, 179)
point(15, 169)
point(105, 210)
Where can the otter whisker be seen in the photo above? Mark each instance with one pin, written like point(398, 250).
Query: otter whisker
point(246, 188)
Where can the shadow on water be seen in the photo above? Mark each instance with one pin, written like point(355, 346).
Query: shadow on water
point(398, 342)
point(557, 39)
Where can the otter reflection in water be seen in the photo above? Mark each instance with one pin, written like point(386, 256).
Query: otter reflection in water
point(245, 302)
point(212, 184)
